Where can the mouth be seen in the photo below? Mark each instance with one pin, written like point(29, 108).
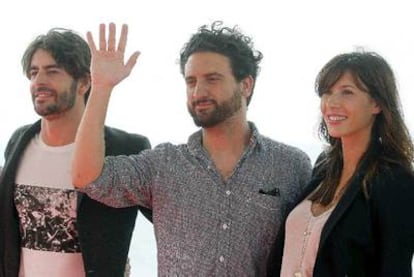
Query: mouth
point(202, 104)
point(43, 93)
point(336, 118)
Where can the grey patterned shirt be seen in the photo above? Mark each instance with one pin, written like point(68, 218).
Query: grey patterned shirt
point(205, 226)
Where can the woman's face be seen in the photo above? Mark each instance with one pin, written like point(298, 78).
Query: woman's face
point(348, 111)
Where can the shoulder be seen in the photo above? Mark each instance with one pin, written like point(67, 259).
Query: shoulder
point(392, 200)
point(25, 131)
point(286, 161)
point(394, 178)
point(119, 142)
point(393, 189)
point(284, 151)
point(168, 149)
point(118, 134)
point(19, 132)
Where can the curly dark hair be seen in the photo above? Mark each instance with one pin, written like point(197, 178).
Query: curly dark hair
point(69, 50)
point(229, 42)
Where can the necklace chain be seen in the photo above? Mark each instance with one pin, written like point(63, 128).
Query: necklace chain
point(306, 235)
point(308, 231)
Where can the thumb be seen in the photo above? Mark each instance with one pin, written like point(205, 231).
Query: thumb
point(132, 61)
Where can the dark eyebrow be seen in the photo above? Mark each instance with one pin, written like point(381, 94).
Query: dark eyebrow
point(51, 66)
point(214, 74)
point(189, 78)
point(207, 75)
point(348, 86)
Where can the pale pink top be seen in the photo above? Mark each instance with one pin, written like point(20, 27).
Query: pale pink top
point(303, 232)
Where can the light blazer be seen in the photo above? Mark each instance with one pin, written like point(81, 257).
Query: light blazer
point(104, 232)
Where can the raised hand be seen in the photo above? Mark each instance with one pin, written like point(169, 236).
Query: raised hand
point(107, 65)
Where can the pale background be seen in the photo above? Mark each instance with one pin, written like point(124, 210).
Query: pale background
point(296, 37)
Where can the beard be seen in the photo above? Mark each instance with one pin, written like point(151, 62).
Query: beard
point(63, 101)
point(220, 113)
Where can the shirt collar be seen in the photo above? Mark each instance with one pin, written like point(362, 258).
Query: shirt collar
point(196, 148)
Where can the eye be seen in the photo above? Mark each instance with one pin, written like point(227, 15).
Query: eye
point(190, 82)
point(213, 78)
point(53, 71)
point(325, 93)
point(347, 92)
point(32, 73)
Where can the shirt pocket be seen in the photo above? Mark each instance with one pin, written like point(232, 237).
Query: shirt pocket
point(264, 199)
point(261, 211)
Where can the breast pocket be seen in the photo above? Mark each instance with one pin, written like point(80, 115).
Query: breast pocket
point(261, 215)
point(267, 200)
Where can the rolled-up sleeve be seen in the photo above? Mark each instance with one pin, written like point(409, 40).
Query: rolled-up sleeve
point(124, 181)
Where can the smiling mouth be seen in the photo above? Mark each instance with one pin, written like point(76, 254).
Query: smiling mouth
point(202, 103)
point(336, 118)
point(43, 94)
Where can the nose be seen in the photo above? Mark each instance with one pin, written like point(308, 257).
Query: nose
point(199, 90)
point(333, 99)
point(39, 78)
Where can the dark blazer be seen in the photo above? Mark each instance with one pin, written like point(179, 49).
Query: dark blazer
point(369, 237)
point(104, 232)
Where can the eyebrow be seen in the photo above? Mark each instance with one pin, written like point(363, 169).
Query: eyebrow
point(207, 75)
point(51, 66)
point(346, 86)
point(214, 74)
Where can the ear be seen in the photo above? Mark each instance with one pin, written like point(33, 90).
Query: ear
point(84, 84)
point(247, 86)
point(376, 109)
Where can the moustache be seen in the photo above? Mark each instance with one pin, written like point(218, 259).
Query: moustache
point(44, 89)
point(201, 101)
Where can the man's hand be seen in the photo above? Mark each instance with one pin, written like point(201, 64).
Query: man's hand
point(107, 70)
point(107, 65)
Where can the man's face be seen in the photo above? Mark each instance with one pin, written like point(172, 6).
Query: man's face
point(53, 90)
point(213, 94)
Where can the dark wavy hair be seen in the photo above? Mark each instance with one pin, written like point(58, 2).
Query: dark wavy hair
point(390, 142)
point(69, 50)
point(229, 42)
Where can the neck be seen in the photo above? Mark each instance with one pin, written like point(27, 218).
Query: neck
point(352, 151)
point(58, 130)
point(227, 137)
point(226, 144)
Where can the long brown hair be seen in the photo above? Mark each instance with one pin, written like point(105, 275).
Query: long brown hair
point(390, 142)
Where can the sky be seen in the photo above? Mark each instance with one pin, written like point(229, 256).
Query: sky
point(296, 38)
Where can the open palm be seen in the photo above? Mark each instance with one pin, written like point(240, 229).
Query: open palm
point(107, 64)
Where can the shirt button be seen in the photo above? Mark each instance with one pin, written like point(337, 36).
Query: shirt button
point(221, 259)
point(228, 192)
point(225, 226)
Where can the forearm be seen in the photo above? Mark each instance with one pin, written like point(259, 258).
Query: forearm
point(89, 153)
point(107, 70)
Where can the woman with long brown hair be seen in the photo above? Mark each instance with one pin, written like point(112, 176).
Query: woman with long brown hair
point(356, 219)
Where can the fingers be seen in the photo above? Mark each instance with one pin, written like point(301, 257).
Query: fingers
point(109, 44)
point(131, 62)
point(91, 43)
point(123, 38)
point(102, 37)
point(111, 39)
